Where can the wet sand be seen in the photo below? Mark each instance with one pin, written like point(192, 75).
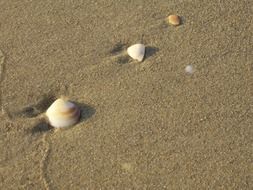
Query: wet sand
point(145, 125)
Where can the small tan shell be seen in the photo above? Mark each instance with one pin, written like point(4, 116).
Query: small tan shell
point(174, 20)
point(63, 113)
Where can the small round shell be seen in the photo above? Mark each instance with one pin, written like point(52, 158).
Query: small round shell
point(63, 113)
point(189, 69)
point(174, 20)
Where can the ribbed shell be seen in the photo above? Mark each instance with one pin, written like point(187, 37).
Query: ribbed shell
point(63, 113)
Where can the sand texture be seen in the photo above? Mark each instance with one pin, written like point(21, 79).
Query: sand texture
point(144, 125)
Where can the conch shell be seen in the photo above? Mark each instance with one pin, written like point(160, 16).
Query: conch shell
point(63, 113)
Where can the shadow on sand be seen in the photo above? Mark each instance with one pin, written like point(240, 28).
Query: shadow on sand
point(150, 51)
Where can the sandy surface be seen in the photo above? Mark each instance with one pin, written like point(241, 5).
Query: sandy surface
point(144, 125)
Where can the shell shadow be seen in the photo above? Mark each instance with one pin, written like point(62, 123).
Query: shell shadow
point(150, 51)
point(41, 127)
point(86, 111)
point(36, 109)
point(118, 47)
point(123, 59)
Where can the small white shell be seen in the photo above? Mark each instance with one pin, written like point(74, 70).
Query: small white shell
point(136, 51)
point(63, 113)
point(189, 69)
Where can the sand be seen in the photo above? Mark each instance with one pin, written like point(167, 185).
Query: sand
point(145, 125)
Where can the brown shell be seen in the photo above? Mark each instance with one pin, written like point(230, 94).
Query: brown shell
point(174, 20)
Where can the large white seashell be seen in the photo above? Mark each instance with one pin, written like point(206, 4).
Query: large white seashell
point(63, 113)
point(136, 51)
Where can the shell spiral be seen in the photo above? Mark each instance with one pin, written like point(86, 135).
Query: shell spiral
point(63, 113)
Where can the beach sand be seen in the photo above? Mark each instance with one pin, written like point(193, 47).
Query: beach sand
point(145, 125)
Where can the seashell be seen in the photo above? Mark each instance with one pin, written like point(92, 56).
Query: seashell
point(63, 113)
point(189, 69)
point(136, 51)
point(174, 20)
